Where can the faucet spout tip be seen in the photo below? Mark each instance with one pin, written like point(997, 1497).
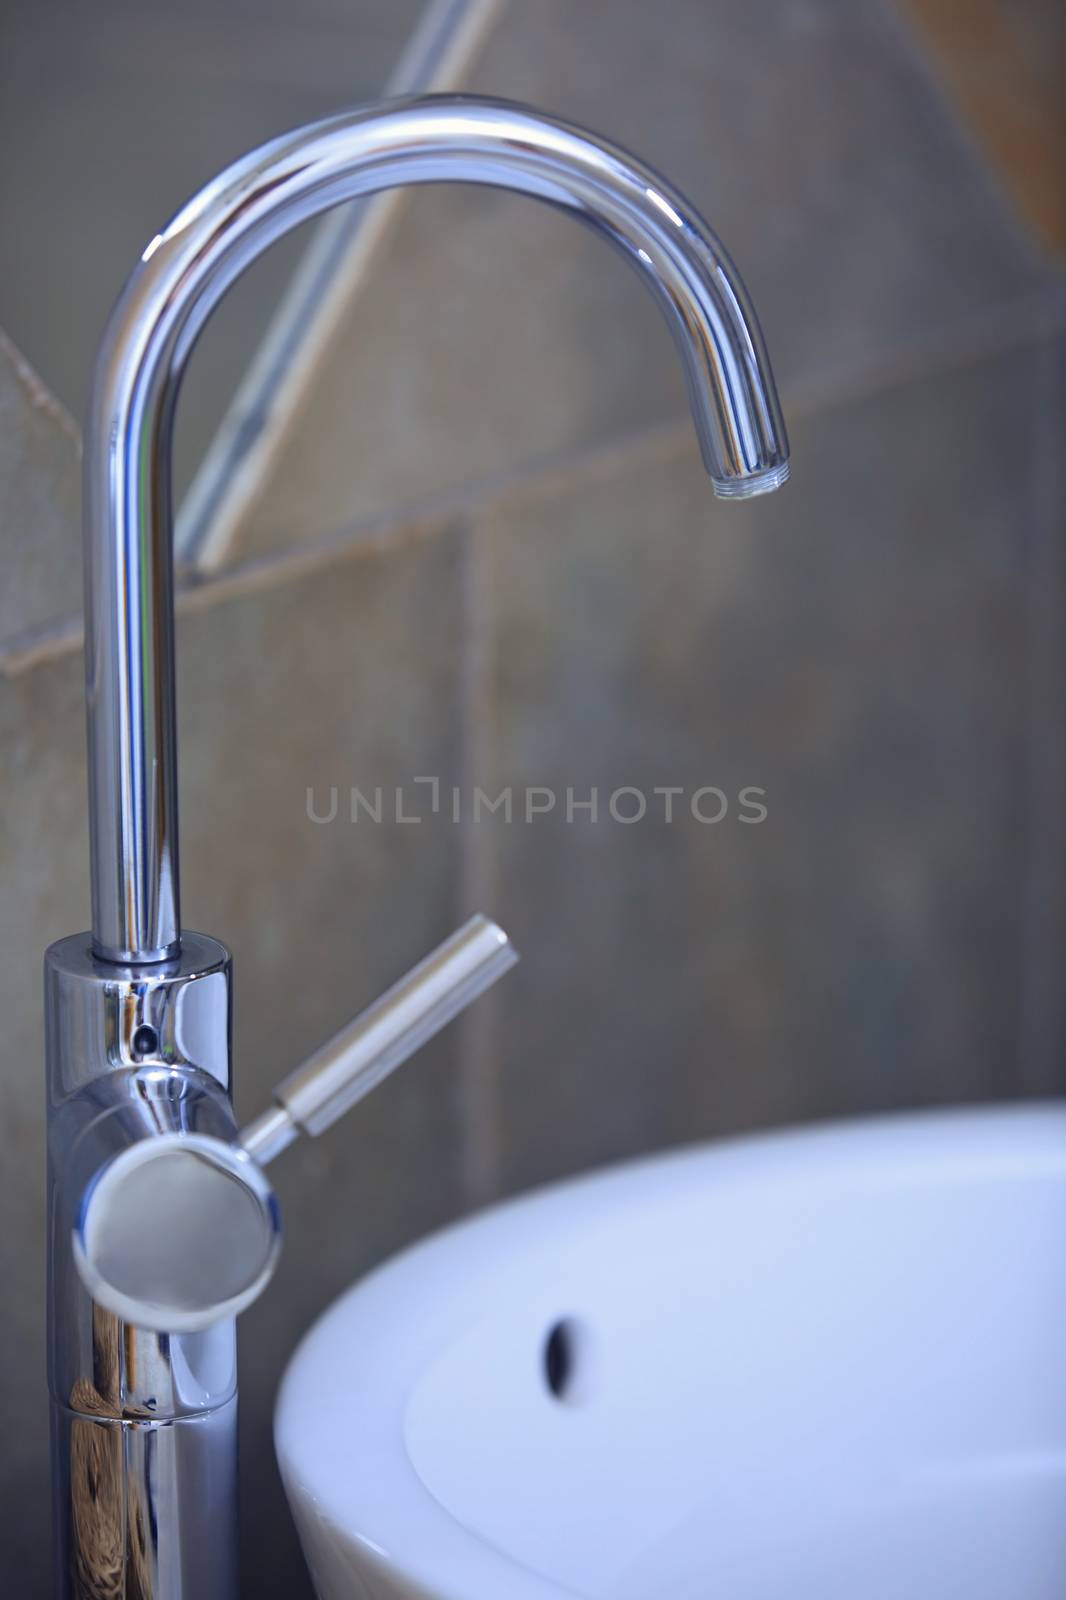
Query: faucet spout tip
point(747, 488)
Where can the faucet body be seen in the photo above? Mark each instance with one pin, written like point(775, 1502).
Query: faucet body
point(138, 1013)
point(143, 1422)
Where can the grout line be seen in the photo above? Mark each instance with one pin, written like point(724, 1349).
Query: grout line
point(38, 393)
point(26, 650)
point(1030, 320)
point(36, 646)
point(479, 1031)
point(1035, 319)
point(418, 520)
point(1043, 997)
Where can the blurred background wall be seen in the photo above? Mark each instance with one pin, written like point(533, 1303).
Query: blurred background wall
point(486, 553)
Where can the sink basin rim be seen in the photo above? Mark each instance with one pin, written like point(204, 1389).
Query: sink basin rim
point(381, 1334)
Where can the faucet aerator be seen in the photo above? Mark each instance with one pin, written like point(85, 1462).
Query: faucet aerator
point(757, 483)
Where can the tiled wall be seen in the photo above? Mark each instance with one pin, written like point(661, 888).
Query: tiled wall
point(489, 555)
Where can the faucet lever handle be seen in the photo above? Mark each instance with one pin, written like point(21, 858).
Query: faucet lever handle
point(382, 1037)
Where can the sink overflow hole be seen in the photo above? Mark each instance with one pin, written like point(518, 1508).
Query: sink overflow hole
point(561, 1359)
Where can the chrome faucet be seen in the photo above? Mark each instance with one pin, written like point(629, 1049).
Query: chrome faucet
point(163, 1224)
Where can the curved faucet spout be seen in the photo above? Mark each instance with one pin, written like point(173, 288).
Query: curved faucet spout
point(181, 277)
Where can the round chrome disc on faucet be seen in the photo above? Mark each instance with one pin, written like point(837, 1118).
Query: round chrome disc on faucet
point(177, 1232)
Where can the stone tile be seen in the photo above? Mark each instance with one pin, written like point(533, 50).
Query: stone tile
point(43, 870)
point(1004, 63)
point(493, 330)
point(855, 646)
point(109, 120)
point(350, 675)
point(39, 501)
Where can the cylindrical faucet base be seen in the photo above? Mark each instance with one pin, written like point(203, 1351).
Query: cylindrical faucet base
point(144, 1438)
point(145, 1510)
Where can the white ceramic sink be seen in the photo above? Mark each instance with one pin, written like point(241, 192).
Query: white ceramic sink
point(812, 1366)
